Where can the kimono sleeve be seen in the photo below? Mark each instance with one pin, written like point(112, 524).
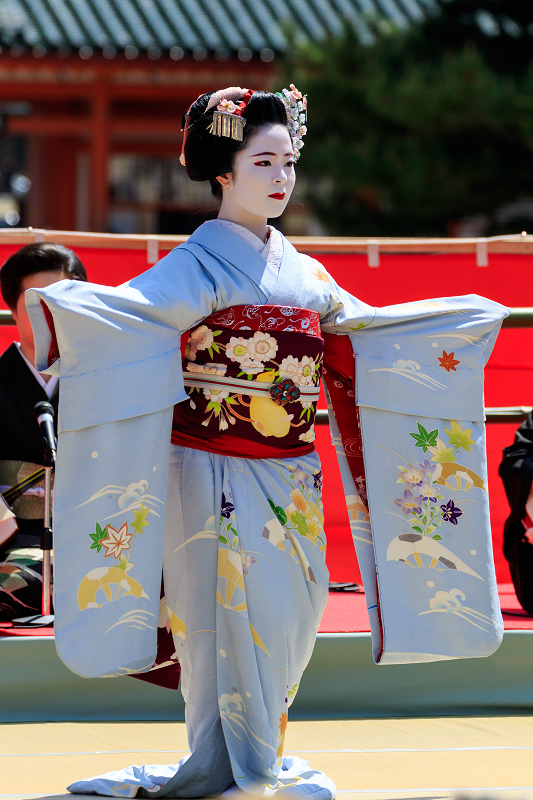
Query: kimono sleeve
point(413, 462)
point(118, 349)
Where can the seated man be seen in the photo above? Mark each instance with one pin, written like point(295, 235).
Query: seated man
point(21, 446)
point(516, 471)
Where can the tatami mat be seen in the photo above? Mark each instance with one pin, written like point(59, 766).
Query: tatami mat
point(369, 759)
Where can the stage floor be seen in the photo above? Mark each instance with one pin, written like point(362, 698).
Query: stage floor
point(369, 759)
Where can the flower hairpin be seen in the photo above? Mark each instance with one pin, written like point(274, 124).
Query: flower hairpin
point(227, 116)
point(296, 107)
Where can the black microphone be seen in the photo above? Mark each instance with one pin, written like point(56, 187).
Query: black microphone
point(44, 413)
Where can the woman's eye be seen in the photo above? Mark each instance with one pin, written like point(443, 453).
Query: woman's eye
point(262, 163)
point(289, 164)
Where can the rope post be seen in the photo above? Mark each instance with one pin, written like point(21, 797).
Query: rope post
point(152, 249)
point(372, 250)
point(38, 235)
point(482, 254)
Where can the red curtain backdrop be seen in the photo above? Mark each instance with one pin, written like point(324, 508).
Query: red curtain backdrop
point(509, 379)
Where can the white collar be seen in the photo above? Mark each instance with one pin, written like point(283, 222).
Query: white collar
point(49, 387)
point(253, 240)
point(271, 250)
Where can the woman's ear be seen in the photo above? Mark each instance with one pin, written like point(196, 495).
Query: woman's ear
point(224, 179)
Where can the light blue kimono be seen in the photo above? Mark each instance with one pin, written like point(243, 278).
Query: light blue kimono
point(244, 593)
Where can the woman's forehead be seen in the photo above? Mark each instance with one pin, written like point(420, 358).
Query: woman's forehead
point(270, 139)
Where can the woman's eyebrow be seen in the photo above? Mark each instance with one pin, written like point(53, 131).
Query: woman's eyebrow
point(271, 154)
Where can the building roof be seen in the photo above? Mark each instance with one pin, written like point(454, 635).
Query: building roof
point(174, 28)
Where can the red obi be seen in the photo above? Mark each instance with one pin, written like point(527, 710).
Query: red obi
point(253, 377)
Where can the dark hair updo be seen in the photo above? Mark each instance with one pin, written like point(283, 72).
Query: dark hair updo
point(208, 155)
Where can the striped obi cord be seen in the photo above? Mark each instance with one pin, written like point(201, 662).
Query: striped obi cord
point(252, 374)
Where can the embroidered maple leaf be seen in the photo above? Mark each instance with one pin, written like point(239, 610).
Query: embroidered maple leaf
point(322, 276)
point(139, 519)
point(97, 538)
point(441, 453)
point(447, 361)
point(424, 438)
point(116, 541)
point(459, 438)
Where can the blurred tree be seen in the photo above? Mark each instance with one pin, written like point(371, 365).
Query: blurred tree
point(425, 126)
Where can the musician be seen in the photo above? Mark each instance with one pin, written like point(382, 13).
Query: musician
point(21, 449)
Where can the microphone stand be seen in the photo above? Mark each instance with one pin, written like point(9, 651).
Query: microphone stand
point(46, 543)
point(45, 619)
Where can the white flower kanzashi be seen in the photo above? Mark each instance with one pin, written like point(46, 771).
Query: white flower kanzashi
point(228, 106)
point(306, 404)
point(262, 347)
point(236, 350)
point(202, 338)
point(308, 436)
point(289, 368)
point(306, 371)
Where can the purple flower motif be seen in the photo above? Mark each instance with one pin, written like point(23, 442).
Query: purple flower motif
point(301, 477)
point(411, 476)
point(428, 467)
point(450, 512)
point(227, 507)
point(428, 492)
point(409, 503)
point(247, 561)
point(317, 478)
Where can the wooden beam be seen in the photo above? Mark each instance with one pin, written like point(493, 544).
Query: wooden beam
point(517, 244)
point(67, 125)
point(99, 155)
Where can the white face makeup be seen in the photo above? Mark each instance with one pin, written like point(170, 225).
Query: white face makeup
point(262, 180)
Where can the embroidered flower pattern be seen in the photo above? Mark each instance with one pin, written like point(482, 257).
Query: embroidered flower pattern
point(256, 354)
point(289, 367)
point(306, 371)
point(262, 346)
point(409, 503)
point(304, 515)
point(237, 349)
point(425, 480)
point(202, 337)
point(451, 512)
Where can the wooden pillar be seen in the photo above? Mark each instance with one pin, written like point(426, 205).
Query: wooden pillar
point(99, 156)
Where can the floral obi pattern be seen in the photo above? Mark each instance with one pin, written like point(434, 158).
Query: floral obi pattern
point(252, 374)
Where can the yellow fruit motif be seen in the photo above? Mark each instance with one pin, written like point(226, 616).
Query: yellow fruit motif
point(267, 417)
point(112, 581)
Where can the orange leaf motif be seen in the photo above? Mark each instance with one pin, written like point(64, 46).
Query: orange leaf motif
point(322, 276)
point(447, 361)
point(116, 541)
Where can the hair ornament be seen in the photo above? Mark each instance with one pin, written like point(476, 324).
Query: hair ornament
point(296, 107)
point(227, 117)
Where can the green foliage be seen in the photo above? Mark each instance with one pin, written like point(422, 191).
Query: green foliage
point(416, 131)
point(101, 533)
point(425, 439)
point(279, 512)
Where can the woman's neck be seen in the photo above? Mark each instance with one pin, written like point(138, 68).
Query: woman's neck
point(257, 225)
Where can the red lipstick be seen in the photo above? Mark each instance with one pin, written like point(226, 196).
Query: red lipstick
point(278, 196)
